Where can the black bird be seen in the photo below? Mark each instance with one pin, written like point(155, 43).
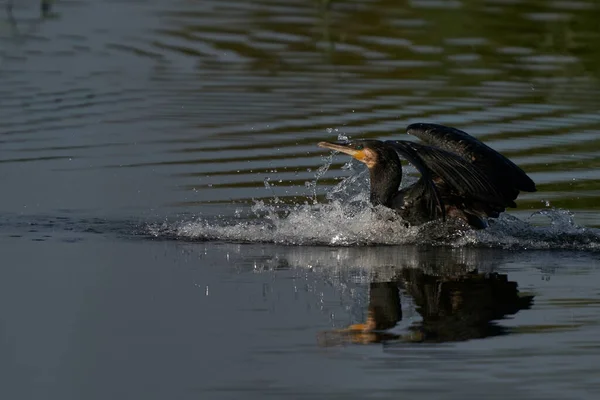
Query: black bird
point(460, 176)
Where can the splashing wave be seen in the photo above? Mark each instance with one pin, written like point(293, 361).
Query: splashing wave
point(347, 219)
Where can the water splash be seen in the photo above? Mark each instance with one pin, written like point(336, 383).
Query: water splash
point(327, 161)
point(342, 137)
point(337, 224)
point(348, 219)
point(312, 185)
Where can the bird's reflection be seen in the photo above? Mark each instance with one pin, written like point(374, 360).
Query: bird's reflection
point(416, 293)
point(455, 303)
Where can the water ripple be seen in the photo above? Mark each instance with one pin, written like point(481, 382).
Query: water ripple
point(213, 98)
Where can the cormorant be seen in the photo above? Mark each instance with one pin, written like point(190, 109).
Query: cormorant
point(460, 176)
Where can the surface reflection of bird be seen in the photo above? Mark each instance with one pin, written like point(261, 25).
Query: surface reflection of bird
point(453, 308)
point(462, 307)
point(461, 177)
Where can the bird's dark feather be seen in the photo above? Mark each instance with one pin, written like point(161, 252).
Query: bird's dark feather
point(507, 176)
point(461, 177)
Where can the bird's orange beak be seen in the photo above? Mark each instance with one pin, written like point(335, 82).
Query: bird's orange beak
point(344, 148)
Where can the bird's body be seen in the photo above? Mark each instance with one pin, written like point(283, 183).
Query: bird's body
point(461, 177)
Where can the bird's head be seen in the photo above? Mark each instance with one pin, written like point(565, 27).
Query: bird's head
point(384, 165)
point(370, 152)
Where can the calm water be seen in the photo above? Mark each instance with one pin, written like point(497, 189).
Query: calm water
point(169, 229)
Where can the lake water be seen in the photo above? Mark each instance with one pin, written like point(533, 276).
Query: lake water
point(169, 229)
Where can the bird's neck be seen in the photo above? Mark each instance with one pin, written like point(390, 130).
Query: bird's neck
point(385, 181)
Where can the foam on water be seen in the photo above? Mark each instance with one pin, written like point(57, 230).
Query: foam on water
point(334, 225)
point(346, 218)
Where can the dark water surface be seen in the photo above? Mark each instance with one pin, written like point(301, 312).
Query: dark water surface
point(169, 229)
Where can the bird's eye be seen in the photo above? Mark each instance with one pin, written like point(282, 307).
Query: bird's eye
point(359, 147)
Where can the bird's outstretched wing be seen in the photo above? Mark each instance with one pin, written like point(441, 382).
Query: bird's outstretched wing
point(462, 178)
point(508, 178)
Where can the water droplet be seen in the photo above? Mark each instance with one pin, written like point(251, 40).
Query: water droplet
point(342, 137)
